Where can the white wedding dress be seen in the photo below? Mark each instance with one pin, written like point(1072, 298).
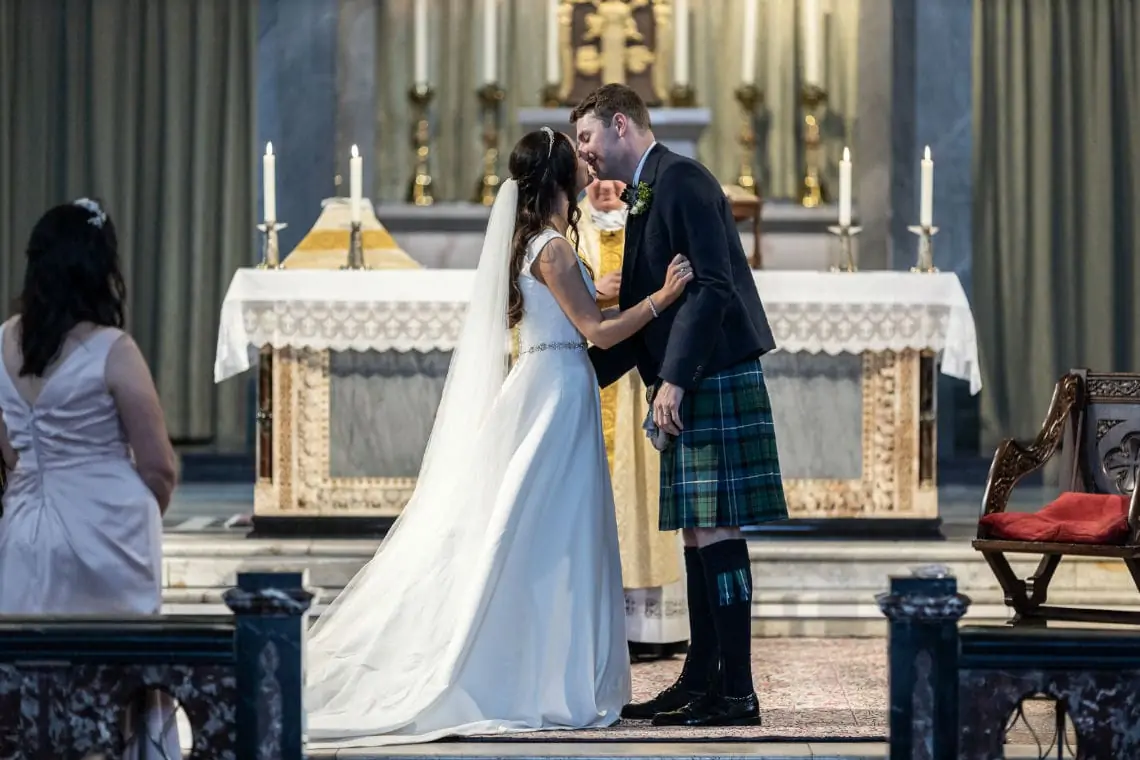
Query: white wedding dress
point(496, 603)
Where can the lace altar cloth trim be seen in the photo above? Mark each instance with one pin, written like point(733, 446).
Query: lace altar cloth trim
point(812, 312)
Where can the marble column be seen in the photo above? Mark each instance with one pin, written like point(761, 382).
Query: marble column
point(916, 89)
point(297, 106)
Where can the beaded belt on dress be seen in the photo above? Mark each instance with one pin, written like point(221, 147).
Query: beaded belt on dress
point(563, 345)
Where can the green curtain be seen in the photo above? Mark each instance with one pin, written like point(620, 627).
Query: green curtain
point(149, 105)
point(1057, 214)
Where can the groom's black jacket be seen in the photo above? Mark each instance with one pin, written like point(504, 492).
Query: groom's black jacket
point(718, 321)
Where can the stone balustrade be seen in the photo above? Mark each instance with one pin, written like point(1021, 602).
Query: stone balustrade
point(954, 690)
point(68, 683)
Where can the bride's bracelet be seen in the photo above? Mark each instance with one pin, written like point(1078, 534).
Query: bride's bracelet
point(652, 306)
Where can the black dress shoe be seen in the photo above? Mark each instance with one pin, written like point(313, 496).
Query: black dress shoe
point(673, 698)
point(716, 710)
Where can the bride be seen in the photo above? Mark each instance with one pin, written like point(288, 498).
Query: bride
point(495, 603)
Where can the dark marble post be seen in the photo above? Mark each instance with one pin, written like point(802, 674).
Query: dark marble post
point(269, 628)
point(923, 610)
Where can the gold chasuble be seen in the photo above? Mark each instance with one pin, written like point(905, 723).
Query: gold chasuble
point(649, 557)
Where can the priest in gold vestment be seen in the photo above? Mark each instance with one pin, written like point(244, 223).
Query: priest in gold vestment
point(656, 614)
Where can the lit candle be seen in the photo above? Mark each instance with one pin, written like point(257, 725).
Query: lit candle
point(490, 44)
point(421, 43)
point(681, 44)
point(845, 189)
point(810, 10)
point(926, 207)
point(269, 180)
point(552, 65)
point(355, 183)
point(748, 50)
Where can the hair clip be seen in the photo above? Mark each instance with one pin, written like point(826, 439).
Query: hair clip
point(98, 215)
point(549, 133)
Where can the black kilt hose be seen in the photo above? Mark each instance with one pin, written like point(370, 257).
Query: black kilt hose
point(723, 470)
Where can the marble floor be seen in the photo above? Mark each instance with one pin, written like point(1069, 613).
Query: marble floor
point(820, 698)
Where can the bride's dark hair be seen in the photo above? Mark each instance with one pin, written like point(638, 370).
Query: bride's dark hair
point(545, 165)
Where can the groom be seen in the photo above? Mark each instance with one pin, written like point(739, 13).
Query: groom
point(700, 361)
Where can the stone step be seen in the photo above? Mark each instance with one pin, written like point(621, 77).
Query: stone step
point(800, 588)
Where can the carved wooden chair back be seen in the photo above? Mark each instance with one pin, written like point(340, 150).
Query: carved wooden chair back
point(1101, 444)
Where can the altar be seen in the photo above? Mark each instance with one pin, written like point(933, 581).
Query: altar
point(359, 359)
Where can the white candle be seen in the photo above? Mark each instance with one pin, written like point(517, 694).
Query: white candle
point(355, 183)
point(490, 43)
point(269, 180)
point(926, 207)
point(553, 75)
point(845, 189)
point(810, 11)
point(681, 44)
point(421, 42)
point(748, 50)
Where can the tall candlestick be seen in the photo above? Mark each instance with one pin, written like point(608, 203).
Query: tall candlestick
point(748, 50)
point(553, 75)
point(490, 42)
point(355, 183)
point(421, 43)
point(269, 180)
point(681, 43)
point(810, 11)
point(845, 189)
point(926, 207)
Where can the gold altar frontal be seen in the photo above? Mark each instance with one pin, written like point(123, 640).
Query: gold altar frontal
point(898, 479)
point(294, 472)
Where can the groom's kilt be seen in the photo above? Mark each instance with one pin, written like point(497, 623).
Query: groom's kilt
point(723, 469)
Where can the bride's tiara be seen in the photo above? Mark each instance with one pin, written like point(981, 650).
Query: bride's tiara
point(550, 134)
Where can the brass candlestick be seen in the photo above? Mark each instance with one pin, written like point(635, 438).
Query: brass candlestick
point(812, 191)
point(355, 248)
point(749, 96)
point(419, 189)
point(682, 96)
point(845, 233)
point(926, 235)
point(490, 98)
point(270, 252)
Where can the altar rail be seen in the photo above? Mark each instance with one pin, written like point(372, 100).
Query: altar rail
point(953, 691)
point(68, 682)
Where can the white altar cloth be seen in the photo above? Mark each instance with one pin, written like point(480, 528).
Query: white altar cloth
point(422, 310)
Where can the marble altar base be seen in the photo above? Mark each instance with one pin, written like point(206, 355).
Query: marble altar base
point(857, 435)
point(341, 436)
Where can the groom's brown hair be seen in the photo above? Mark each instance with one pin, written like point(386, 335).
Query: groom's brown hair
point(610, 99)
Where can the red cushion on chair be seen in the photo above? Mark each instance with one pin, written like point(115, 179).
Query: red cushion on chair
point(1074, 518)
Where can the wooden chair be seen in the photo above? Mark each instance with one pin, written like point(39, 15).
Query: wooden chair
point(1093, 424)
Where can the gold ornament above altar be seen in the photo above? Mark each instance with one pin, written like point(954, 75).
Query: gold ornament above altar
point(615, 41)
point(325, 246)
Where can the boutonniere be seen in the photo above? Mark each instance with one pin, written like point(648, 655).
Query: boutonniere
point(638, 199)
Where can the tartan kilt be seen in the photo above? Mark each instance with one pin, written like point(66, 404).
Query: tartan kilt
point(723, 469)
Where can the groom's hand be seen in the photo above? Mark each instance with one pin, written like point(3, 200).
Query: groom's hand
point(667, 408)
point(608, 286)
